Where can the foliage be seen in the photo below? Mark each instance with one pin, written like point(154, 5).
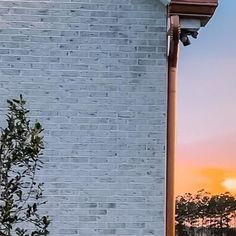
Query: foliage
point(220, 210)
point(20, 193)
point(203, 210)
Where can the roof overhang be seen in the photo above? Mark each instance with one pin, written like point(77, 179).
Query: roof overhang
point(202, 10)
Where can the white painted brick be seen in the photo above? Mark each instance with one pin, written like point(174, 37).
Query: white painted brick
point(94, 73)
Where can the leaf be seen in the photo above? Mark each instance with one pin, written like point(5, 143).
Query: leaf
point(34, 207)
point(38, 125)
point(10, 102)
point(16, 101)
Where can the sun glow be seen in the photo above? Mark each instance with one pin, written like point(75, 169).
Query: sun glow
point(230, 184)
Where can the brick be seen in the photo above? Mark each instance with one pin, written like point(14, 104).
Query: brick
point(94, 74)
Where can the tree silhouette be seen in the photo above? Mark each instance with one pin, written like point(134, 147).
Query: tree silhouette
point(204, 211)
point(220, 211)
point(186, 210)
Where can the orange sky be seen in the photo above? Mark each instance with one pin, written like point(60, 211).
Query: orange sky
point(208, 164)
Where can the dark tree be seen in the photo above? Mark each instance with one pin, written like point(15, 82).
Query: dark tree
point(186, 212)
point(204, 211)
point(220, 210)
point(20, 194)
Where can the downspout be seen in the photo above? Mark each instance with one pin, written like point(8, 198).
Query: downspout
point(171, 123)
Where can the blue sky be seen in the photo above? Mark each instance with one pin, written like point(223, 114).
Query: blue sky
point(207, 81)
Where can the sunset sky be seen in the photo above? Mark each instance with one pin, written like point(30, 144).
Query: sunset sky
point(206, 121)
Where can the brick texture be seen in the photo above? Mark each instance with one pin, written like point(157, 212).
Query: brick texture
point(94, 73)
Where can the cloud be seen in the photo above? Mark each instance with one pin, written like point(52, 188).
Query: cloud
point(213, 180)
point(230, 184)
point(216, 177)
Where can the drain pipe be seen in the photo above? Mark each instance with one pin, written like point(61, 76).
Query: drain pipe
point(171, 123)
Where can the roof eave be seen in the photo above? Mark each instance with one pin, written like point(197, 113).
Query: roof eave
point(193, 9)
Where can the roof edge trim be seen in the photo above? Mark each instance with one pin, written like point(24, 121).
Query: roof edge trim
point(195, 9)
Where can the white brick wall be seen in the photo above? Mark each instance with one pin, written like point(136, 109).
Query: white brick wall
point(94, 73)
